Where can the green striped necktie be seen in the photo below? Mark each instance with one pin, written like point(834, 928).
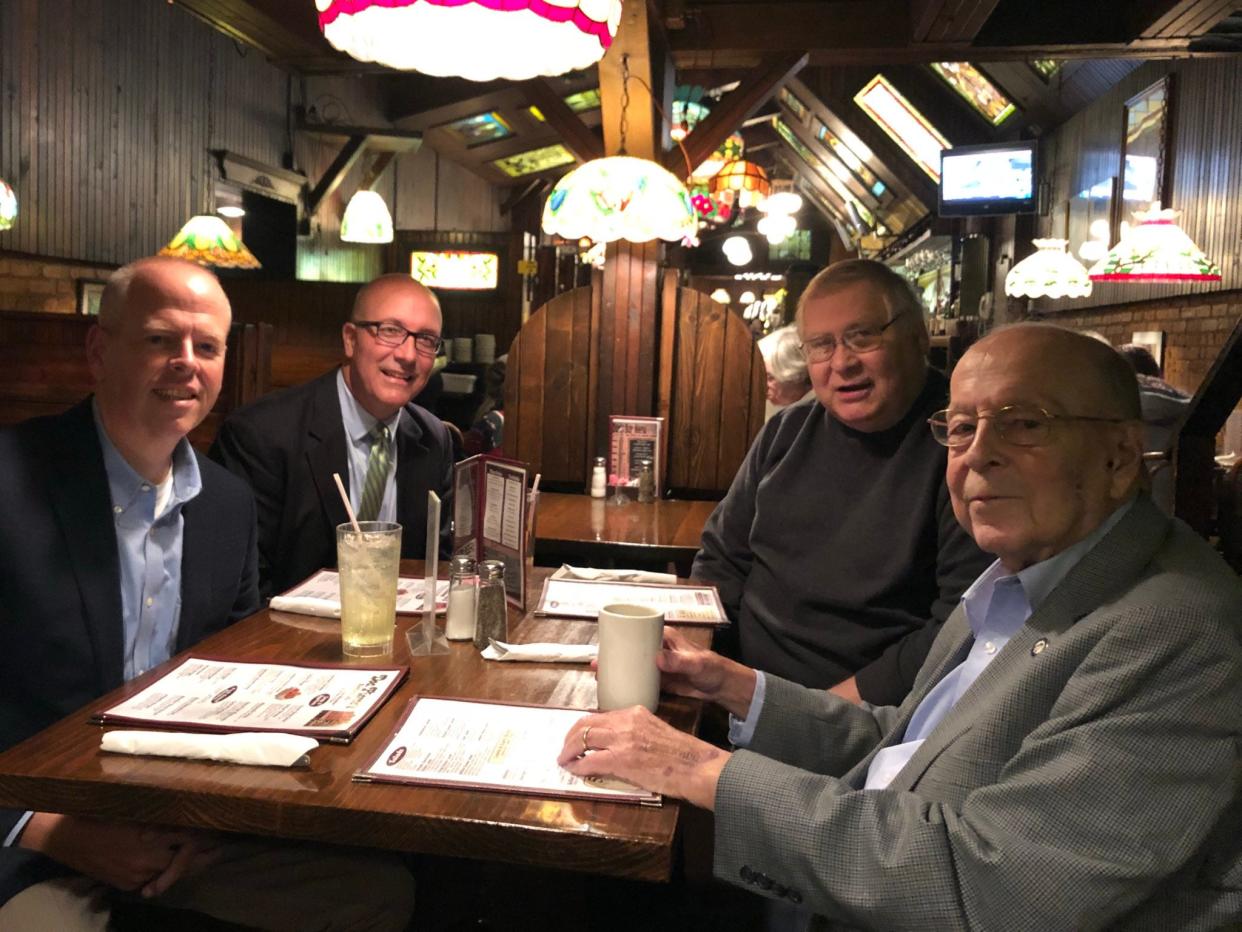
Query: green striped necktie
point(377, 475)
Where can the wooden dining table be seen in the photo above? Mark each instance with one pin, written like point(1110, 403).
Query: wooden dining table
point(62, 769)
point(597, 530)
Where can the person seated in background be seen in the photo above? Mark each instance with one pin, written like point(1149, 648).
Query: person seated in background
point(357, 421)
point(835, 551)
point(1069, 756)
point(119, 546)
point(788, 380)
point(487, 427)
point(1164, 409)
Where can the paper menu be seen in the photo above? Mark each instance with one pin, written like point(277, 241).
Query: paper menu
point(466, 744)
point(325, 586)
point(577, 598)
point(331, 703)
point(491, 517)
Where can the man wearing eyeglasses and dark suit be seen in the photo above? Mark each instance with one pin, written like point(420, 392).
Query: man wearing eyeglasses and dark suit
point(359, 421)
point(835, 552)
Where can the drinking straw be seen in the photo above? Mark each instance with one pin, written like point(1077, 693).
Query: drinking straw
point(340, 487)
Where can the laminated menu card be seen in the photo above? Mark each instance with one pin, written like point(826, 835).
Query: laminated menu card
point(681, 605)
point(321, 595)
point(493, 517)
point(468, 744)
point(328, 702)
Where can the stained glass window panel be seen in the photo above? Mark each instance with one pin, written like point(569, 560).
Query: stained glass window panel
point(583, 100)
point(456, 270)
point(975, 88)
point(1046, 68)
point(480, 128)
point(908, 128)
point(534, 160)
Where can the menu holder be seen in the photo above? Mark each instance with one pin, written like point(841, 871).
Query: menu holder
point(322, 590)
point(331, 702)
point(681, 605)
point(492, 517)
point(475, 745)
point(632, 439)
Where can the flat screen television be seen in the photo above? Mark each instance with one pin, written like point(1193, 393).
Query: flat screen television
point(996, 178)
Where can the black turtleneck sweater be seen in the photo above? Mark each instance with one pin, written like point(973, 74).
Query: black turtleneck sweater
point(836, 552)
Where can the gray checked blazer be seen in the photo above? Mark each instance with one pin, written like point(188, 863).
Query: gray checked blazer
point(1088, 779)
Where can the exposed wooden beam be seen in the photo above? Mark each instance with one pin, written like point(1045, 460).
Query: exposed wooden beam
point(332, 178)
point(377, 168)
point(1171, 19)
point(737, 107)
point(576, 135)
point(949, 21)
point(630, 49)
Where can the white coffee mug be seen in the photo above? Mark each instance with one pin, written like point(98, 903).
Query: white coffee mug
point(629, 640)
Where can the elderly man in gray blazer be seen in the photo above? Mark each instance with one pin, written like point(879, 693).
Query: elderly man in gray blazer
point(1069, 755)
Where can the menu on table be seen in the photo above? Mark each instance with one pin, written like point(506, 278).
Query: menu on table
point(682, 605)
point(325, 586)
point(328, 702)
point(468, 744)
point(493, 517)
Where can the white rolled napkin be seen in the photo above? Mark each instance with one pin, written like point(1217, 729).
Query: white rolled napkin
point(305, 605)
point(540, 653)
point(635, 576)
point(259, 748)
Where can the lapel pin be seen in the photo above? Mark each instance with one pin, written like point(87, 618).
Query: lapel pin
point(1039, 646)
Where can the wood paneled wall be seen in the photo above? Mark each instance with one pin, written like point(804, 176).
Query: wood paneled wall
point(629, 322)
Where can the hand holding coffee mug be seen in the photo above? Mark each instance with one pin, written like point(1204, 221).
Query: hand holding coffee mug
point(630, 637)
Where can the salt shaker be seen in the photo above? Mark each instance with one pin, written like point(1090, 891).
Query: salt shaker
point(646, 482)
point(493, 615)
point(599, 478)
point(462, 600)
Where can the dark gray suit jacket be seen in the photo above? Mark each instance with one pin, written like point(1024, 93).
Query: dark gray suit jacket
point(1088, 778)
point(288, 444)
point(61, 633)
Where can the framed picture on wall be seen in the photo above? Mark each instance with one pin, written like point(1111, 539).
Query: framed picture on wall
point(632, 440)
point(90, 291)
point(1146, 150)
point(1153, 342)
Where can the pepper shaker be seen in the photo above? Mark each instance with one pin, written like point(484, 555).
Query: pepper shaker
point(646, 482)
point(493, 614)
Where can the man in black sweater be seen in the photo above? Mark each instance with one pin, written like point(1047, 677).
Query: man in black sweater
point(836, 552)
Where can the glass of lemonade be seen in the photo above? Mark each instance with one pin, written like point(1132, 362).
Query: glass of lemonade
point(368, 564)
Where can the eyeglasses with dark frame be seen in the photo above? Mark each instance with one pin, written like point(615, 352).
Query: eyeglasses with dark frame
point(858, 340)
point(1020, 425)
point(391, 334)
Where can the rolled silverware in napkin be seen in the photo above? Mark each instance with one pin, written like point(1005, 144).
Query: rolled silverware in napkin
point(634, 576)
point(258, 748)
point(305, 605)
point(540, 653)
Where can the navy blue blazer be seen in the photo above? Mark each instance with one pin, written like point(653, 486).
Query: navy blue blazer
point(61, 633)
point(288, 444)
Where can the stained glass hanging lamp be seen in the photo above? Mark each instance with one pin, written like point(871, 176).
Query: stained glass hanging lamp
point(1156, 249)
point(620, 197)
point(477, 39)
point(366, 219)
point(748, 179)
point(208, 240)
point(1049, 272)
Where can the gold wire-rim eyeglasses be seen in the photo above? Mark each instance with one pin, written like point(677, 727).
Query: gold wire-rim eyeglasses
point(1020, 425)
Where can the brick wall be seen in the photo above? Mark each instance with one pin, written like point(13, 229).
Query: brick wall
point(29, 283)
point(1195, 328)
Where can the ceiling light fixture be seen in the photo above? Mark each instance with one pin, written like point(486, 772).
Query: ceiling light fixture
point(208, 240)
point(749, 180)
point(8, 206)
point(477, 39)
point(366, 219)
point(1049, 272)
point(737, 250)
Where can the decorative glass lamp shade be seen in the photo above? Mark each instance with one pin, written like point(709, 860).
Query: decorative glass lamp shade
point(730, 150)
point(620, 197)
point(477, 39)
point(366, 219)
point(782, 202)
point(1049, 272)
point(686, 116)
point(713, 208)
point(208, 240)
point(777, 227)
point(737, 250)
point(720, 296)
point(1156, 249)
point(749, 180)
point(8, 206)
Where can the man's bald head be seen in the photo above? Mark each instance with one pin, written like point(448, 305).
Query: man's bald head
point(140, 282)
point(376, 297)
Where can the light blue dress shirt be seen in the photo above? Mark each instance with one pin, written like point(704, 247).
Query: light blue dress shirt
point(358, 423)
point(997, 605)
point(149, 530)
